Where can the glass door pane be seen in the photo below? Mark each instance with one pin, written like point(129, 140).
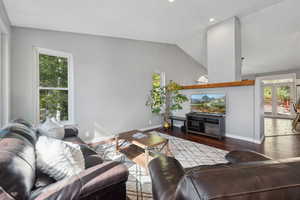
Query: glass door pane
point(268, 100)
point(283, 98)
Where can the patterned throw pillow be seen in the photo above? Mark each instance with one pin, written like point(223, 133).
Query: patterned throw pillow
point(52, 128)
point(58, 159)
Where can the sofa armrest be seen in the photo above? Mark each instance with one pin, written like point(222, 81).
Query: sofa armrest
point(89, 181)
point(71, 131)
point(103, 176)
point(165, 172)
point(242, 156)
point(256, 180)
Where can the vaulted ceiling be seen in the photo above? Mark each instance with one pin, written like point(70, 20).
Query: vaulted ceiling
point(271, 38)
point(270, 28)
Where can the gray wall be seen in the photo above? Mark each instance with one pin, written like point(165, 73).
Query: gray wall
point(4, 66)
point(4, 16)
point(224, 51)
point(239, 110)
point(254, 76)
point(112, 77)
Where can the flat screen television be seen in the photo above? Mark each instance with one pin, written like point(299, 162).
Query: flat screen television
point(208, 103)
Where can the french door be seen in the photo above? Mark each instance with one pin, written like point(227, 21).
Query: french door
point(278, 100)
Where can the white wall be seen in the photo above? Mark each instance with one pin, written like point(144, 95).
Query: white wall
point(112, 77)
point(239, 110)
point(224, 51)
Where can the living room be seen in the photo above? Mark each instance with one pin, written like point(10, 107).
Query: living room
point(137, 99)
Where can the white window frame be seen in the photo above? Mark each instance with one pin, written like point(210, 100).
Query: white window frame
point(70, 89)
point(162, 77)
point(292, 86)
point(5, 109)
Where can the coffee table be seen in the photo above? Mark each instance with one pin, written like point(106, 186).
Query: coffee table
point(143, 150)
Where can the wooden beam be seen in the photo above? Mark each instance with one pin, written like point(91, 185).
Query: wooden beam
point(219, 85)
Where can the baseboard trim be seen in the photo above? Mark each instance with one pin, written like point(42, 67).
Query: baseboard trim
point(149, 128)
point(245, 138)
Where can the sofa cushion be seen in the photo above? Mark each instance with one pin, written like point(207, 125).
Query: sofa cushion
point(58, 159)
point(71, 131)
point(17, 161)
point(22, 121)
point(21, 130)
point(92, 160)
point(244, 156)
point(43, 180)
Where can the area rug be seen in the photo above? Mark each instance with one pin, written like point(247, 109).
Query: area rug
point(189, 154)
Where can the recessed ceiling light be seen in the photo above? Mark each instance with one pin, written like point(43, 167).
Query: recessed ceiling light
point(212, 19)
point(171, 1)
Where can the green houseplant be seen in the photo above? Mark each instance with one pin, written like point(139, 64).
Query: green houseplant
point(164, 100)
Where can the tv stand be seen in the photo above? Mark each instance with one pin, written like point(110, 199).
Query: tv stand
point(212, 125)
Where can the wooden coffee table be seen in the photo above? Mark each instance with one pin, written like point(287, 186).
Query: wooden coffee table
point(143, 150)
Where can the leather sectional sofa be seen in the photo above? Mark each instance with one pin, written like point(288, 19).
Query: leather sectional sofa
point(247, 176)
point(20, 179)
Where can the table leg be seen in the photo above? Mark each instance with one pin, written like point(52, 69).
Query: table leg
point(117, 144)
point(147, 160)
point(168, 151)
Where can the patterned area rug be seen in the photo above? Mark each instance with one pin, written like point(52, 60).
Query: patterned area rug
point(189, 154)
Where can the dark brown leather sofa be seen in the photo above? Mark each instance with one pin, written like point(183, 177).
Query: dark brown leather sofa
point(20, 180)
point(247, 176)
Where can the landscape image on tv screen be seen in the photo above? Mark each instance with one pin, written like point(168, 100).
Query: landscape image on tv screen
point(208, 103)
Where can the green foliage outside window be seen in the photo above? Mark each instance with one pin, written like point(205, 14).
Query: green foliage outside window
point(283, 93)
point(54, 103)
point(53, 87)
point(53, 71)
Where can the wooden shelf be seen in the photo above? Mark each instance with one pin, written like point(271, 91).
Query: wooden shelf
point(220, 85)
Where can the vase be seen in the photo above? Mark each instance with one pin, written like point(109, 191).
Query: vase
point(166, 125)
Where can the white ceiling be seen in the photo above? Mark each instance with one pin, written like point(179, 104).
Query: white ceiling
point(271, 38)
point(152, 20)
point(271, 28)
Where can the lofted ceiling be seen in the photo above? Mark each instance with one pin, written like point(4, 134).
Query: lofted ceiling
point(270, 29)
point(151, 20)
point(271, 39)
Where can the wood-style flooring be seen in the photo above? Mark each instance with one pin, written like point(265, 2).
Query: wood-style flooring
point(279, 127)
point(279, 147)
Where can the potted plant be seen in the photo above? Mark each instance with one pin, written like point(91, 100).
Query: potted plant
point(164, 100)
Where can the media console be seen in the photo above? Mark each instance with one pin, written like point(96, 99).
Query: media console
point(212, 125)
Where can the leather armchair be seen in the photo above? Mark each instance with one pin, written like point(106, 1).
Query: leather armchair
point(248, 176)
point(20, 179)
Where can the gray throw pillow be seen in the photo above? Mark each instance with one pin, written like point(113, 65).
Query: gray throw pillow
point(58, 159)
point(52, 128)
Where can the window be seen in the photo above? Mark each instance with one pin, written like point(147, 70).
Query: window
point(275, 81)
point(156, 80)
point(55, 95)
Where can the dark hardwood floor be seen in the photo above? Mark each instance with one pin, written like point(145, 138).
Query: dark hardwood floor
point(279, 147)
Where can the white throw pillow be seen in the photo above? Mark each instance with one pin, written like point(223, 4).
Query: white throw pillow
point(52, 128)
point(58, 159)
